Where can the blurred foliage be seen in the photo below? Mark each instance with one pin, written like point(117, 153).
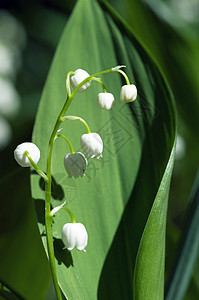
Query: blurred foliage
point(24, 267)
point(187, 252)
point(170, 31)
point(174, 43)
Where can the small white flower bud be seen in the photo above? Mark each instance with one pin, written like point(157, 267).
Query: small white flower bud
point(56, 209)
point(91, 144)
point(74, 235)
point(75, 164)
point(79, 76)
point(118, 67)
point(22, 159)
point(105, 100)
point(128, 93)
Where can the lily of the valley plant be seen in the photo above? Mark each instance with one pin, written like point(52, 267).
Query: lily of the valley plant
point(28, 154)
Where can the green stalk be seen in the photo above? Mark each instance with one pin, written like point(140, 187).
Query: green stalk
point(102, 84)
point(48, 223)
point(125, 76)
point(68, 142)
point(48, 217)
point(37, 169)
point(70, 214)
point(74, 118)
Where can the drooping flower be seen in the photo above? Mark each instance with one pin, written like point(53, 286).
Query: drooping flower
point(128, 93)
point(22, 159)
point(92, 144)
point(75, 164)
point(74, 235)
point(105, 100)
point(79, 76)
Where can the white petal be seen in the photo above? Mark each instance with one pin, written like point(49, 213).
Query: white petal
point(81, 237)
point(92, 144)
point(105, 100)
point(79, 76)
point(74, 234)
point(56, 209)
point(68, 236)
point(22, 159)
point(75, 164)
point(128, 93)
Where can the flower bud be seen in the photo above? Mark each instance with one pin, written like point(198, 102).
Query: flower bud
point(75, 164)
point(91, 144)
point(79, 76)
point(22, 159)
point(74, 235)
point(56, 209)
point(128, 93)
point(105, 100)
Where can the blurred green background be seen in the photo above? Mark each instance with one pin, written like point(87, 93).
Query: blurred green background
point(29, 33)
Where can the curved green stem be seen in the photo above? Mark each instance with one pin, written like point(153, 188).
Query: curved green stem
point(68, 83)
point(102, 84)
point(37, 169)
point(70, 214)
point(92, 77)
point(125, 76)
point(67, 140)
point(48, 217)
point(74, 118)
point(48, 223)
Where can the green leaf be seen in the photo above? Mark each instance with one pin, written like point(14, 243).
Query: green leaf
point(24, 267)
point(173, 41)
point(188, 249)
point(148, 276)
point(115, 197)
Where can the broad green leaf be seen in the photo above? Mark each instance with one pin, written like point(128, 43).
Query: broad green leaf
point(23, 266)
point(188, 249)
point(174, 42)
point(115, 197)
point(148, 276)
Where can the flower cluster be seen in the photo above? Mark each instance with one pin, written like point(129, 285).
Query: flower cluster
point(28, 154)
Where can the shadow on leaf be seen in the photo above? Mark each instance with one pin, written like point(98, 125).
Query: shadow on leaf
point(57, 192)
point(39, 205)
point(62, 255)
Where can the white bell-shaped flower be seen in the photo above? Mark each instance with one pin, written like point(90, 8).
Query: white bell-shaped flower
point(74, 235)
point(75, 164)
point(128, 93)
point(22, 159)
point(79, 76)
point(92, 144)
point(105, 100)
